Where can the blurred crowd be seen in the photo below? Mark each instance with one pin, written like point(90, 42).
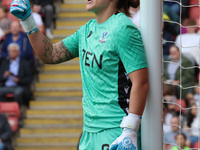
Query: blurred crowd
point(19, 65)
point(181, 53)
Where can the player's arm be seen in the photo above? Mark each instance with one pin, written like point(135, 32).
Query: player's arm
point(139, 90)
point(131, 123)
point(131, 51)
point(49, 53)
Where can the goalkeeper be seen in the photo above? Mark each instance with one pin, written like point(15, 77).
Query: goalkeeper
point(113, 69)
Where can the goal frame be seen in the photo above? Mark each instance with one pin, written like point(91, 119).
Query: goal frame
point(151, 30)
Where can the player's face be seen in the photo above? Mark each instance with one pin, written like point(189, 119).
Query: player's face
point(96, 5)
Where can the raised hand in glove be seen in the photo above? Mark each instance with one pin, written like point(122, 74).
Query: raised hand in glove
point(22, 10)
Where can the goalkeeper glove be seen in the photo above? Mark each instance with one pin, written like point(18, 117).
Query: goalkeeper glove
point(128, 139)
point(22, 10)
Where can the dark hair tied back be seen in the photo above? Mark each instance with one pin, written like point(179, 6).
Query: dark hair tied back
point(124, 5)
point(134, 3)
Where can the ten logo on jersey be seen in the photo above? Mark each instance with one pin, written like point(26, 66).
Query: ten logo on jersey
point(90, 58)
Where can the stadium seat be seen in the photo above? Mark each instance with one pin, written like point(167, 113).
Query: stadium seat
point(12, 111)
point(194, 2)
point(11, 108)
point(194, 12)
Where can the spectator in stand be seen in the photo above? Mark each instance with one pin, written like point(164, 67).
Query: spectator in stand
point(169, 138)
point(172, 72)
point(166, 118)
point(167, 42)
point(171, 100)
point(181, 142)
point(172, 16)
point(194, 98)
point(168, 89)
point(15, 76)
point(174, 104)
point(188, 43)
point(38, 19)
point(46, 7)
point(4, 21)
point(172, 9)
point(5, 134)
point(192, 123)
point(175, 7)
point(19, 37)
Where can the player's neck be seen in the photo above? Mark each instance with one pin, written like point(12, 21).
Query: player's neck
point(104, 15)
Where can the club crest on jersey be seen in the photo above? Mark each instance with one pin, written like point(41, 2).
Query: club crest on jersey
point(103, 39)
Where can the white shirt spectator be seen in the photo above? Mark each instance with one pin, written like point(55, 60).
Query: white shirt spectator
point(166, 124)
point(189, 45)
point(14, 68)
point(172, 68)
point(38, 19)
point(194, 126)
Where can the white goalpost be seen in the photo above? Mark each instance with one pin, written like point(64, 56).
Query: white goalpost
point(151, 14)
point(151, 30)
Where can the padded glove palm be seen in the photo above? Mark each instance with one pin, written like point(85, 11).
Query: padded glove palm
point(126, 141)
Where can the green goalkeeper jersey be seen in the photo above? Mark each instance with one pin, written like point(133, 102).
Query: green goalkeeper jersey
point(107, 52)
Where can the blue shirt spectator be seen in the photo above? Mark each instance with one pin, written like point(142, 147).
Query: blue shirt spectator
point(14, 68)
point(15, 79)
point(17, 36)
point(169, 138)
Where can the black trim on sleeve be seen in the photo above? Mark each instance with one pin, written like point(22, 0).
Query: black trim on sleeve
point(124, 88)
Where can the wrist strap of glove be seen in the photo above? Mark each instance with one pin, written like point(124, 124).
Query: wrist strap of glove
point(29, 25)
point(132, 121)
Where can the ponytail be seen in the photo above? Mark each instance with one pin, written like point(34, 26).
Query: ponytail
point(124, 5)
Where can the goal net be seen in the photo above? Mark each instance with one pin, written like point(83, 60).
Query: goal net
point(181, 59)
